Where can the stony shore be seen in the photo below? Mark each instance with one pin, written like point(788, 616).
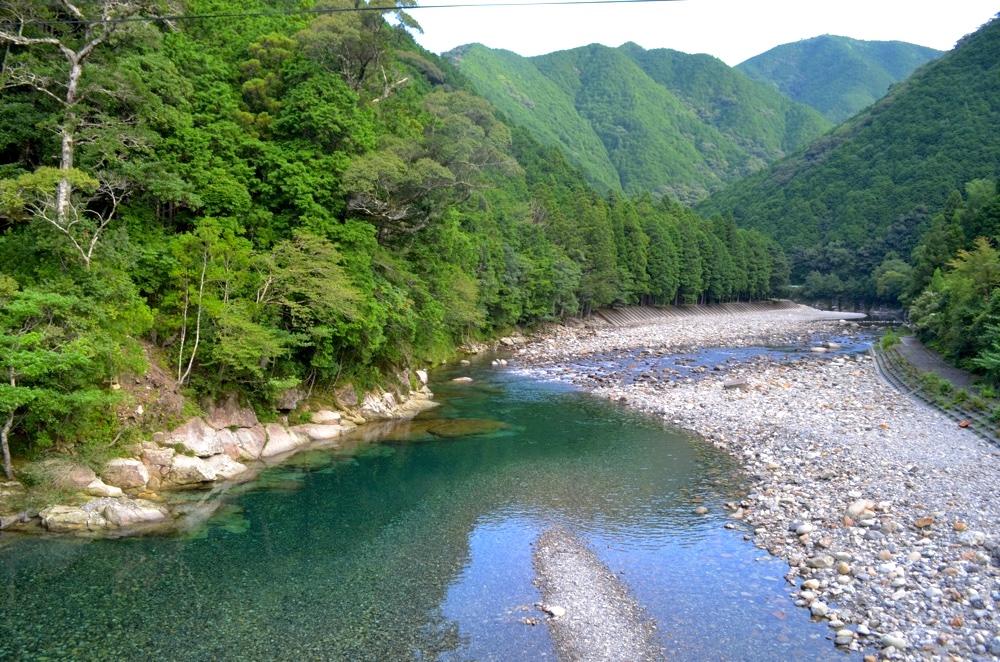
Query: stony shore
point(884, 510)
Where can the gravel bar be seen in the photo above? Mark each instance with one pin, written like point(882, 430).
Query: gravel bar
point(592, 616)
point(885, 510)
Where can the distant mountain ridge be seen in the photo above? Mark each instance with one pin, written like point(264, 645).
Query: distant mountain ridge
point(636, 120)
point(837, 76)
point(929, 136)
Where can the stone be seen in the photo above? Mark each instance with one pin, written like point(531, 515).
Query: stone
point(895, 640)
point(924, 522)
point(129, 512)
point(224, 467)
point(77, 477)
point(229, 414)
point(280, 441)
point(810, 584)
point(98, 488)
point(186, 470)
point(972, 538)
point(804, 529)
point(462, 380)
point(860, 507)
point(415, 405)
point(230, 445)
point(843, 568)
point(555, 611)
point(325, 417)
point(126, 473)
point(347, 395)
point(250, 442)
point(740, 384)
point(197, 437)
point(820, 562)
point(422, 376)
point(819, 609)
point(701, 510)
point(157, 460)
point(290, 399)
point(69, 519)
point(316, 432)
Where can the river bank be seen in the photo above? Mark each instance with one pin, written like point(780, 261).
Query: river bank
point(883, 509)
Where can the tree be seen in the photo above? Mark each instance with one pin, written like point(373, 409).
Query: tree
point(357, 44)
point(37, 345)
point(77, 31)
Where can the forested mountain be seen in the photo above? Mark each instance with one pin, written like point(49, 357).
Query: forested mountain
point(261, 201)
point(515, 86)
point(675, 124)
point(864, 190)
point(838, 76)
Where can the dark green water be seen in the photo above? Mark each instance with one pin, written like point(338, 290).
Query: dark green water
point(420, 548)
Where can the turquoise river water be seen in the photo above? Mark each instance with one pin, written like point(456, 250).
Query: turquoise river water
point(419, 547)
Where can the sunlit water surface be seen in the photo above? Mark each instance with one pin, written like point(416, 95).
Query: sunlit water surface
point(419, 547)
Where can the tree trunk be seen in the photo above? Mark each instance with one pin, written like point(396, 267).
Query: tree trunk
point(68, 131)
point(8, 471)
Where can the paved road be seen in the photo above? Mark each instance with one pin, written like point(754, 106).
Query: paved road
point(927, 361)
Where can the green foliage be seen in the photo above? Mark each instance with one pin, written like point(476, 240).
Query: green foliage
point(637, 120)
point(889, 340)
point(314, 201)
point(866, 186)
point(838, 76)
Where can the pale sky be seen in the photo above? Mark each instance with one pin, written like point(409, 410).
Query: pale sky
point(732, 30)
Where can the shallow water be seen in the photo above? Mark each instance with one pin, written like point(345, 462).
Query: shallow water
point(420, 548)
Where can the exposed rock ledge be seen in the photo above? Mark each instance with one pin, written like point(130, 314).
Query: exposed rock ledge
point(228, 445)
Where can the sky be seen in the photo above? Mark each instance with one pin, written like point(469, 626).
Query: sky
point(732, 30)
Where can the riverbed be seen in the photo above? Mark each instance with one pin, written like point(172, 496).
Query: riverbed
point(420, 546)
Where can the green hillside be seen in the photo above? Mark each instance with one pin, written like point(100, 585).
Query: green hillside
point(635, 120)
point(756, 116)
point(655, 141)
point(531, 100)
point(862, 187)
point(837, 76)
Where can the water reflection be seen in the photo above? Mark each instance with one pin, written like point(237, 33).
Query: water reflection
point(420, 548)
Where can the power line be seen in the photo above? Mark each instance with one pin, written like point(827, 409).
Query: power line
point(333, 10)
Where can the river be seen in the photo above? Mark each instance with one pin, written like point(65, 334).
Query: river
point(419, 547)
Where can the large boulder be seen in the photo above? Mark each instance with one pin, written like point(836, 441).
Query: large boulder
point(126, 473)
point(69, 519)
point(186, 470)
point(98, 488)
point(281, 440)
point(224, 467)
point(250, 442)
point(197, 437)
point(230, 415)
point(157, 460)
point(132, 512)
point(78, 477)
point(290, 399)
point(417, 403)
point(325, 417)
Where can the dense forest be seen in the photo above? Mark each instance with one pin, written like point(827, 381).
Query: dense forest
point(644, 120)
point(838, 76)
point(870, 187)
point(257, 201)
